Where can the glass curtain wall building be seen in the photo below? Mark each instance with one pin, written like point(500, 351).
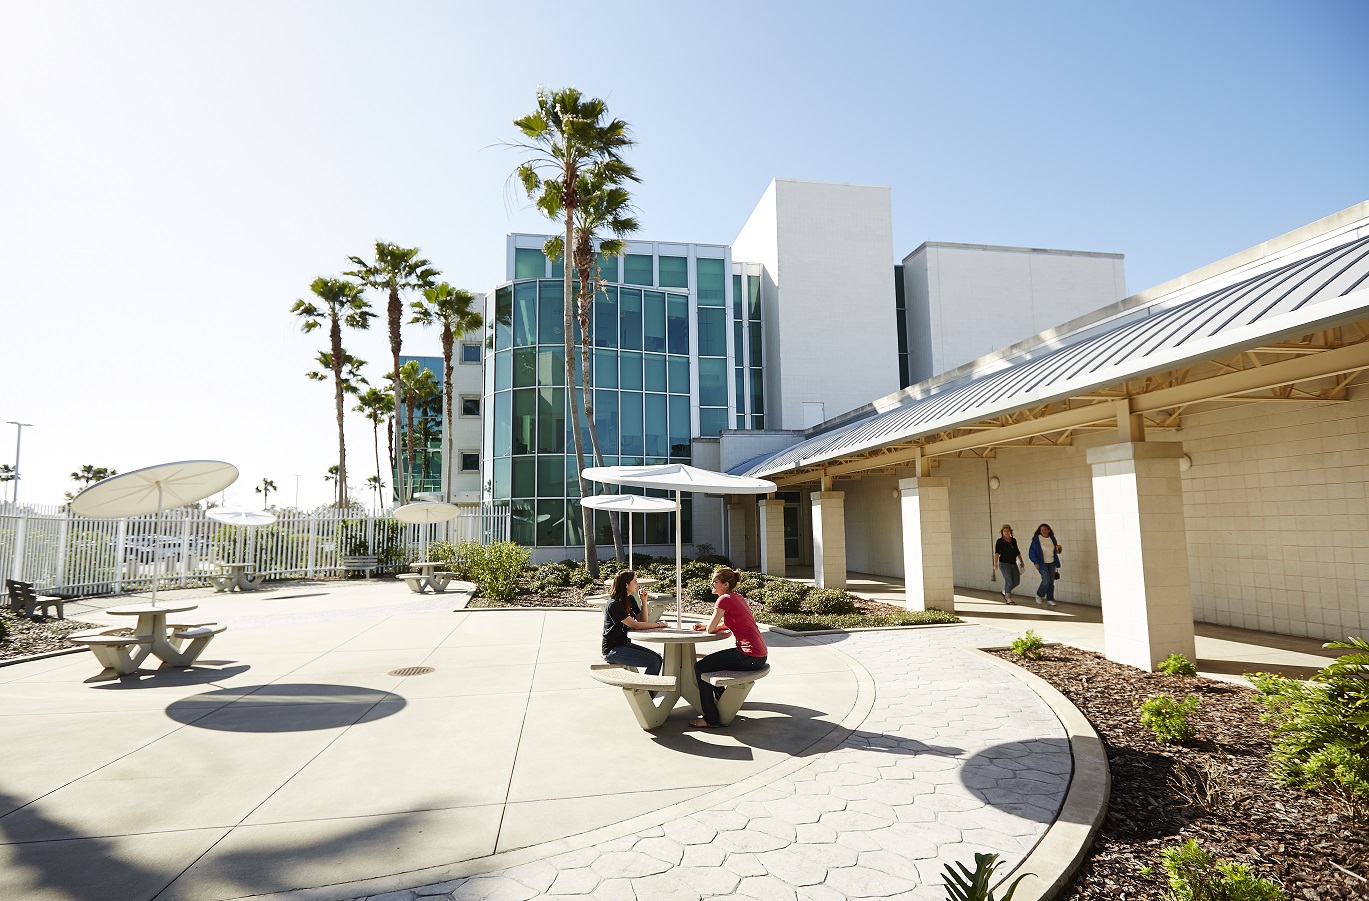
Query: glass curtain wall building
point(661, 351)
point(427, 436)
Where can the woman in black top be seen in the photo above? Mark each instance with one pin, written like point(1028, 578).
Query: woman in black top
point(623, 613)
point(1007, 559)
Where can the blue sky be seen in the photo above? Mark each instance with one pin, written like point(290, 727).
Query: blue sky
point(172, 175)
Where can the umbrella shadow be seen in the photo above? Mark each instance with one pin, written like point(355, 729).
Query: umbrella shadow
point(285, 707)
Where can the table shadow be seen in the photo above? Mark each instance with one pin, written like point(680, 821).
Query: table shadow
point(284, 707)
point(152, 678)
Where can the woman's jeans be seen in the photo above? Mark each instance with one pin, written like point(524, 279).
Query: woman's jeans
point(721, 660)
point(1047, 588)
point(1011, 577)
point(635, 655)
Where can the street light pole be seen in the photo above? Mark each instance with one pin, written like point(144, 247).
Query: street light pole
point(18, 439)
point(297, 491)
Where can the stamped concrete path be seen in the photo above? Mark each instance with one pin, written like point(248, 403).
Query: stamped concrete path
point(304, 761)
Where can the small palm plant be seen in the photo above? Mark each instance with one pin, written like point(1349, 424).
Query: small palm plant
point(964, 884)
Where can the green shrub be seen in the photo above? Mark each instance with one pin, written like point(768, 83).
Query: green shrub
point(494, 568)
point(694, 569)
point(783, 603)
point(1196, 875)
point(580, 576)
point(1168, 718)
point(808, 622)
point(973, 885)
point(1321, 727)
point(699, 590)
point(829, 601)
point(749, 588)
point(1029, 645)
point(1177, 665)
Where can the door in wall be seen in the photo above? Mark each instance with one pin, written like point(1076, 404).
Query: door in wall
point(791, 533)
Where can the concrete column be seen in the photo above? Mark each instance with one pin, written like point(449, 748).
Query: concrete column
point(1138, 507)
point(929, 581)
point(772, 536)
point(739, 539)
point(829, 539)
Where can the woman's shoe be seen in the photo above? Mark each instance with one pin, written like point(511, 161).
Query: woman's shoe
point(1050, 603)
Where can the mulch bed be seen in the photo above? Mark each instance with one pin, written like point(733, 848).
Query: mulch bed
point(574, 597)
point(25, 636)
point(1315, 845)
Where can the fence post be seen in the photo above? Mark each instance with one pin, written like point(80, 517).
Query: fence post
point(120, 536)
point(62, 539)
point(313, 546)
point(185, 548)
point(18, 567)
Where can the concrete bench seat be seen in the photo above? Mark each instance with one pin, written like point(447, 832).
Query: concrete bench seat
point(639, 689)
point(738, 684)
point(112, 651)
point(725, 678)
point(624, 678)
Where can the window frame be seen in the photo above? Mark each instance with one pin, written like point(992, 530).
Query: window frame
point(478, 354)
point(480, 406)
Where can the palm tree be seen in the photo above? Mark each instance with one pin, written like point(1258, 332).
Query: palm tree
point(417, 386)
point(87, 475)
point(605, 206)
point(378, 407)
point(339, 302)
point(567, 137)
point(395, 269)
point(265, 489)
point(452, 308)
point(331, 474)
point(376, 485)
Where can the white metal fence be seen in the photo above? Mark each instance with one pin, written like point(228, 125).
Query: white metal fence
point(76, 556)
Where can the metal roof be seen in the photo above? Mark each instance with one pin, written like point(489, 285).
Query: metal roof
point(1290, 299)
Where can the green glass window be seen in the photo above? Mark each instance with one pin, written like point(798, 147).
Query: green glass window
point(503, 424)
point(551, 366)
point(678, 368)
point(551, 476)
point(712, 283)
point(741, 420)
point(608, 268)
point(758, 421)
point(524, 421)
point(524, 367)
point(630, 423)
point(757, 344)
point(521, 530)
point(605, 369)
point(674, 272)
point(550, 327)
point(529, 263)
point(551, 420)
point(677, 323)
point(551, 523)
point(679, 426)
point(630, 319)
point(606, 318)
point(712, 382)
point(712, 420)
point(637, 269)
point(575, 529)
point(630, 367)
point(503, 318)
point(524, 476)
point(712, 332)
point(654, 372)
point(757, 392)
point(606, 420)
point(653, 320)
point(737, 297)
point(657, 426)
point(525, 314)
point(557, 270)
point(572, 477)
point(739, 380)
point(503, 370)
point(501, 477)
point(738, 343)
point(753, 297)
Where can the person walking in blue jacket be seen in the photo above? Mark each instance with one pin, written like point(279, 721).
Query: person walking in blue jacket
point(1045, 555)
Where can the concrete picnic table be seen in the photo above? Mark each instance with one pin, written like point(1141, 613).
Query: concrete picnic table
point(427, 576)
point(237, 577)
point(152, 627)
point(679, 659)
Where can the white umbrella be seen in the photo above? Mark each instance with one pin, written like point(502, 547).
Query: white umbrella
point(152, 490)
point(629, 504)
point(236, 517)
point(425, 514)
point(679, 478)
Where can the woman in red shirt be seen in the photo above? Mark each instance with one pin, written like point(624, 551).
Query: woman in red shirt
point(731, 616)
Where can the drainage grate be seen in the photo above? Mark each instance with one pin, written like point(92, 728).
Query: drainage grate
point(412, 671)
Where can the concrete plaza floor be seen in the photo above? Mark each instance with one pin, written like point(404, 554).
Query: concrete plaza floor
point(293, 762)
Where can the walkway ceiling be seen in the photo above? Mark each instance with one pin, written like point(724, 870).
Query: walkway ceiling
point(1297, 332)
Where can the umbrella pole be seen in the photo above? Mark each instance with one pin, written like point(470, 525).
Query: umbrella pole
point(629, 539)
point(156, 544)
point(679, 557)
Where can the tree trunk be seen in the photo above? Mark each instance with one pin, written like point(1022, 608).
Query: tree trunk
point(375, 437)
point(448, 439)
point(335, 335)
point(585, 307)
point(568, 300)
point(409, 435)
point(395, 310)
point(390, 439)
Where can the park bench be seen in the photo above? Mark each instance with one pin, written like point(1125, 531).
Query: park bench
point(738, 684)
point(355, 563)
point(23, 597)
point(112, 651)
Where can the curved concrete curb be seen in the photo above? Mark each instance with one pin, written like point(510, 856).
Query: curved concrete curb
point(43, 656)
point(399, 882)
point(1059, 853)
